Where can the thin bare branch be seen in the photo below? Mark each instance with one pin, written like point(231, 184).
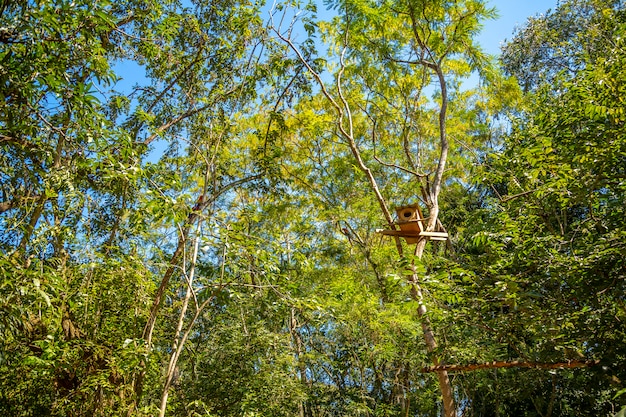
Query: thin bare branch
point(174, 121)
point(513, 197)
point(343, 112)
point(400, 168)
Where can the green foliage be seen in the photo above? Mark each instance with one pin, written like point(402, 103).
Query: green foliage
point(85, 219)
point(561, 42)
point(548, 245)
point(293, 304)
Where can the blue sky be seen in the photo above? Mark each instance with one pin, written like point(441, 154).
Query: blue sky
point(512, 13)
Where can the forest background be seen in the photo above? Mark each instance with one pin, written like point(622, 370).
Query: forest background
point(205, 243)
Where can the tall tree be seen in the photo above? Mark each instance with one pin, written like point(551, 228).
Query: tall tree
point(61, 159)
point(411, 44)
point(80, 184)
point(551, 270)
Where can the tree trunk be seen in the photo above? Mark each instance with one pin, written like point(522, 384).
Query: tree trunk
point(177, 344)
point(429, 337)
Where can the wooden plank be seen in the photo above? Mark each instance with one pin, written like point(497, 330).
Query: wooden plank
point(512, 364)
point(434, 234)
point(403, 233)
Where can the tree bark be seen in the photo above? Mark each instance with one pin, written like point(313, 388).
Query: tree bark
point(429, 337)
point(177, 344)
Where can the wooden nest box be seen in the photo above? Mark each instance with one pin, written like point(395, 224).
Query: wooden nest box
point(413, 226)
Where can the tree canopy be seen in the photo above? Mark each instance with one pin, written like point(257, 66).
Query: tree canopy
point(193, 193)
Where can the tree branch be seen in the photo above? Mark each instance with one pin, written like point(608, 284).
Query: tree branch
point(343, 110)
point(512, 364)
point(513, 197)
point(174, 121)
point(193, 216)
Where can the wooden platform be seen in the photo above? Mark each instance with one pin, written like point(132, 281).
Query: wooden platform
point(413, 237)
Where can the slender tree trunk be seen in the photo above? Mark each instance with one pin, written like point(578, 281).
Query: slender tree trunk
point(431, 344)
point(429, 336)
point(297, 345)
point(177, 344)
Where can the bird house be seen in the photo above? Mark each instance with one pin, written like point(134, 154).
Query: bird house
point(413, 226)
